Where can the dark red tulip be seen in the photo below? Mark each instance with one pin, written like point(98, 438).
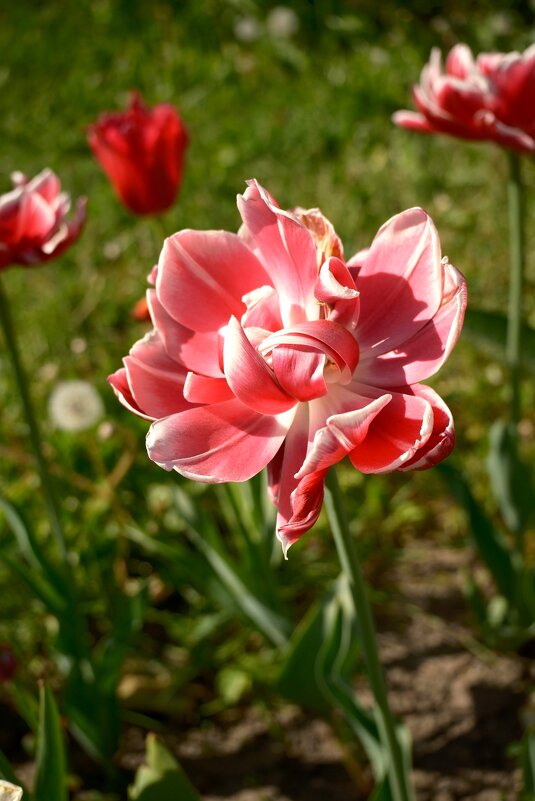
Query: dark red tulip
point(142, 151)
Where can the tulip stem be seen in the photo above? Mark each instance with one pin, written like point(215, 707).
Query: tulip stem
point(6, 323)
point(399, 780)
point(514, 328)
point(514, 317)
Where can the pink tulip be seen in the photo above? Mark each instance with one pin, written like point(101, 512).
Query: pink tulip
point(269, 349)
point(33, 224)
point(491, 98)
point(142, 152)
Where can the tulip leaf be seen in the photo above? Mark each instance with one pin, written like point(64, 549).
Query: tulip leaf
point(510, 479)
point(50, 779)
point(162, 778)
point(488, 331)
point(319, 663)
point(490, 543)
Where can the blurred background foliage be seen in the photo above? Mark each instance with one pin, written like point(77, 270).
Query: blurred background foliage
point(305, 108)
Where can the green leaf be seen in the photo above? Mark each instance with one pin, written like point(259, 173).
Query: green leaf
point(490, 543)
point(273, 626)
point(319, 663)
point(38, 585)
point(26, 704)
point(50, 779)
point(510, 479)
point(162, 778)
point(488, 331)
point(30, 549)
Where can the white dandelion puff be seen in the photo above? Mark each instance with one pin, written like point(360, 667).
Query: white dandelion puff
point(282, 22)
point(75, 406)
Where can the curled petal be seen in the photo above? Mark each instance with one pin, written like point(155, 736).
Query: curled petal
point(332, 339)
point(335, 287)
point(221, 442)
point(341, 434)
point(299, 371)
point(248, 375)
point(442, 439)
point(306, 500)
point(402, 427)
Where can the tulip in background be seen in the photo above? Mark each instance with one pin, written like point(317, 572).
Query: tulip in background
point(33, 230)
point(142, 152)
point(33, 220)
point(269, 349)
point(491, 97)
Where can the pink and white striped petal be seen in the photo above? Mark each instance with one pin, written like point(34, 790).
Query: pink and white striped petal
point(222, 442)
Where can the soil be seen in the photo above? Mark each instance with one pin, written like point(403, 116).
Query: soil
point(460, 702)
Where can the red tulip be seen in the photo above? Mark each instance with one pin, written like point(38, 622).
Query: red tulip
point(492, 98)
point(142, 151)
point(33, 224)
point(269, 349)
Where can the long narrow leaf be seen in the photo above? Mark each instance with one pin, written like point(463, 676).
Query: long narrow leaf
point(490, 544)
point(50, 779)
point(273, 626)
point(38, 585)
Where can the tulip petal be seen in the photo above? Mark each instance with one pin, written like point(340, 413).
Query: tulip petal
point(299, 371)
point(202, 389)
point(442, 439)
point(307, 500)
point(199, 352)
point(248, 375)
point(203, 275)
point(332, 339)
point(341, 432)
point(286, 249)
point(119, 383)
point(423, 354)
point(156, 381)
point(395, 434)
point(400, 281)
point(222, 442)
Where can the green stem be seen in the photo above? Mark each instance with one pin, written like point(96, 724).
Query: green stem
point(399, 782)
point(514, 317)
point(514, 322)
point(6, 322)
